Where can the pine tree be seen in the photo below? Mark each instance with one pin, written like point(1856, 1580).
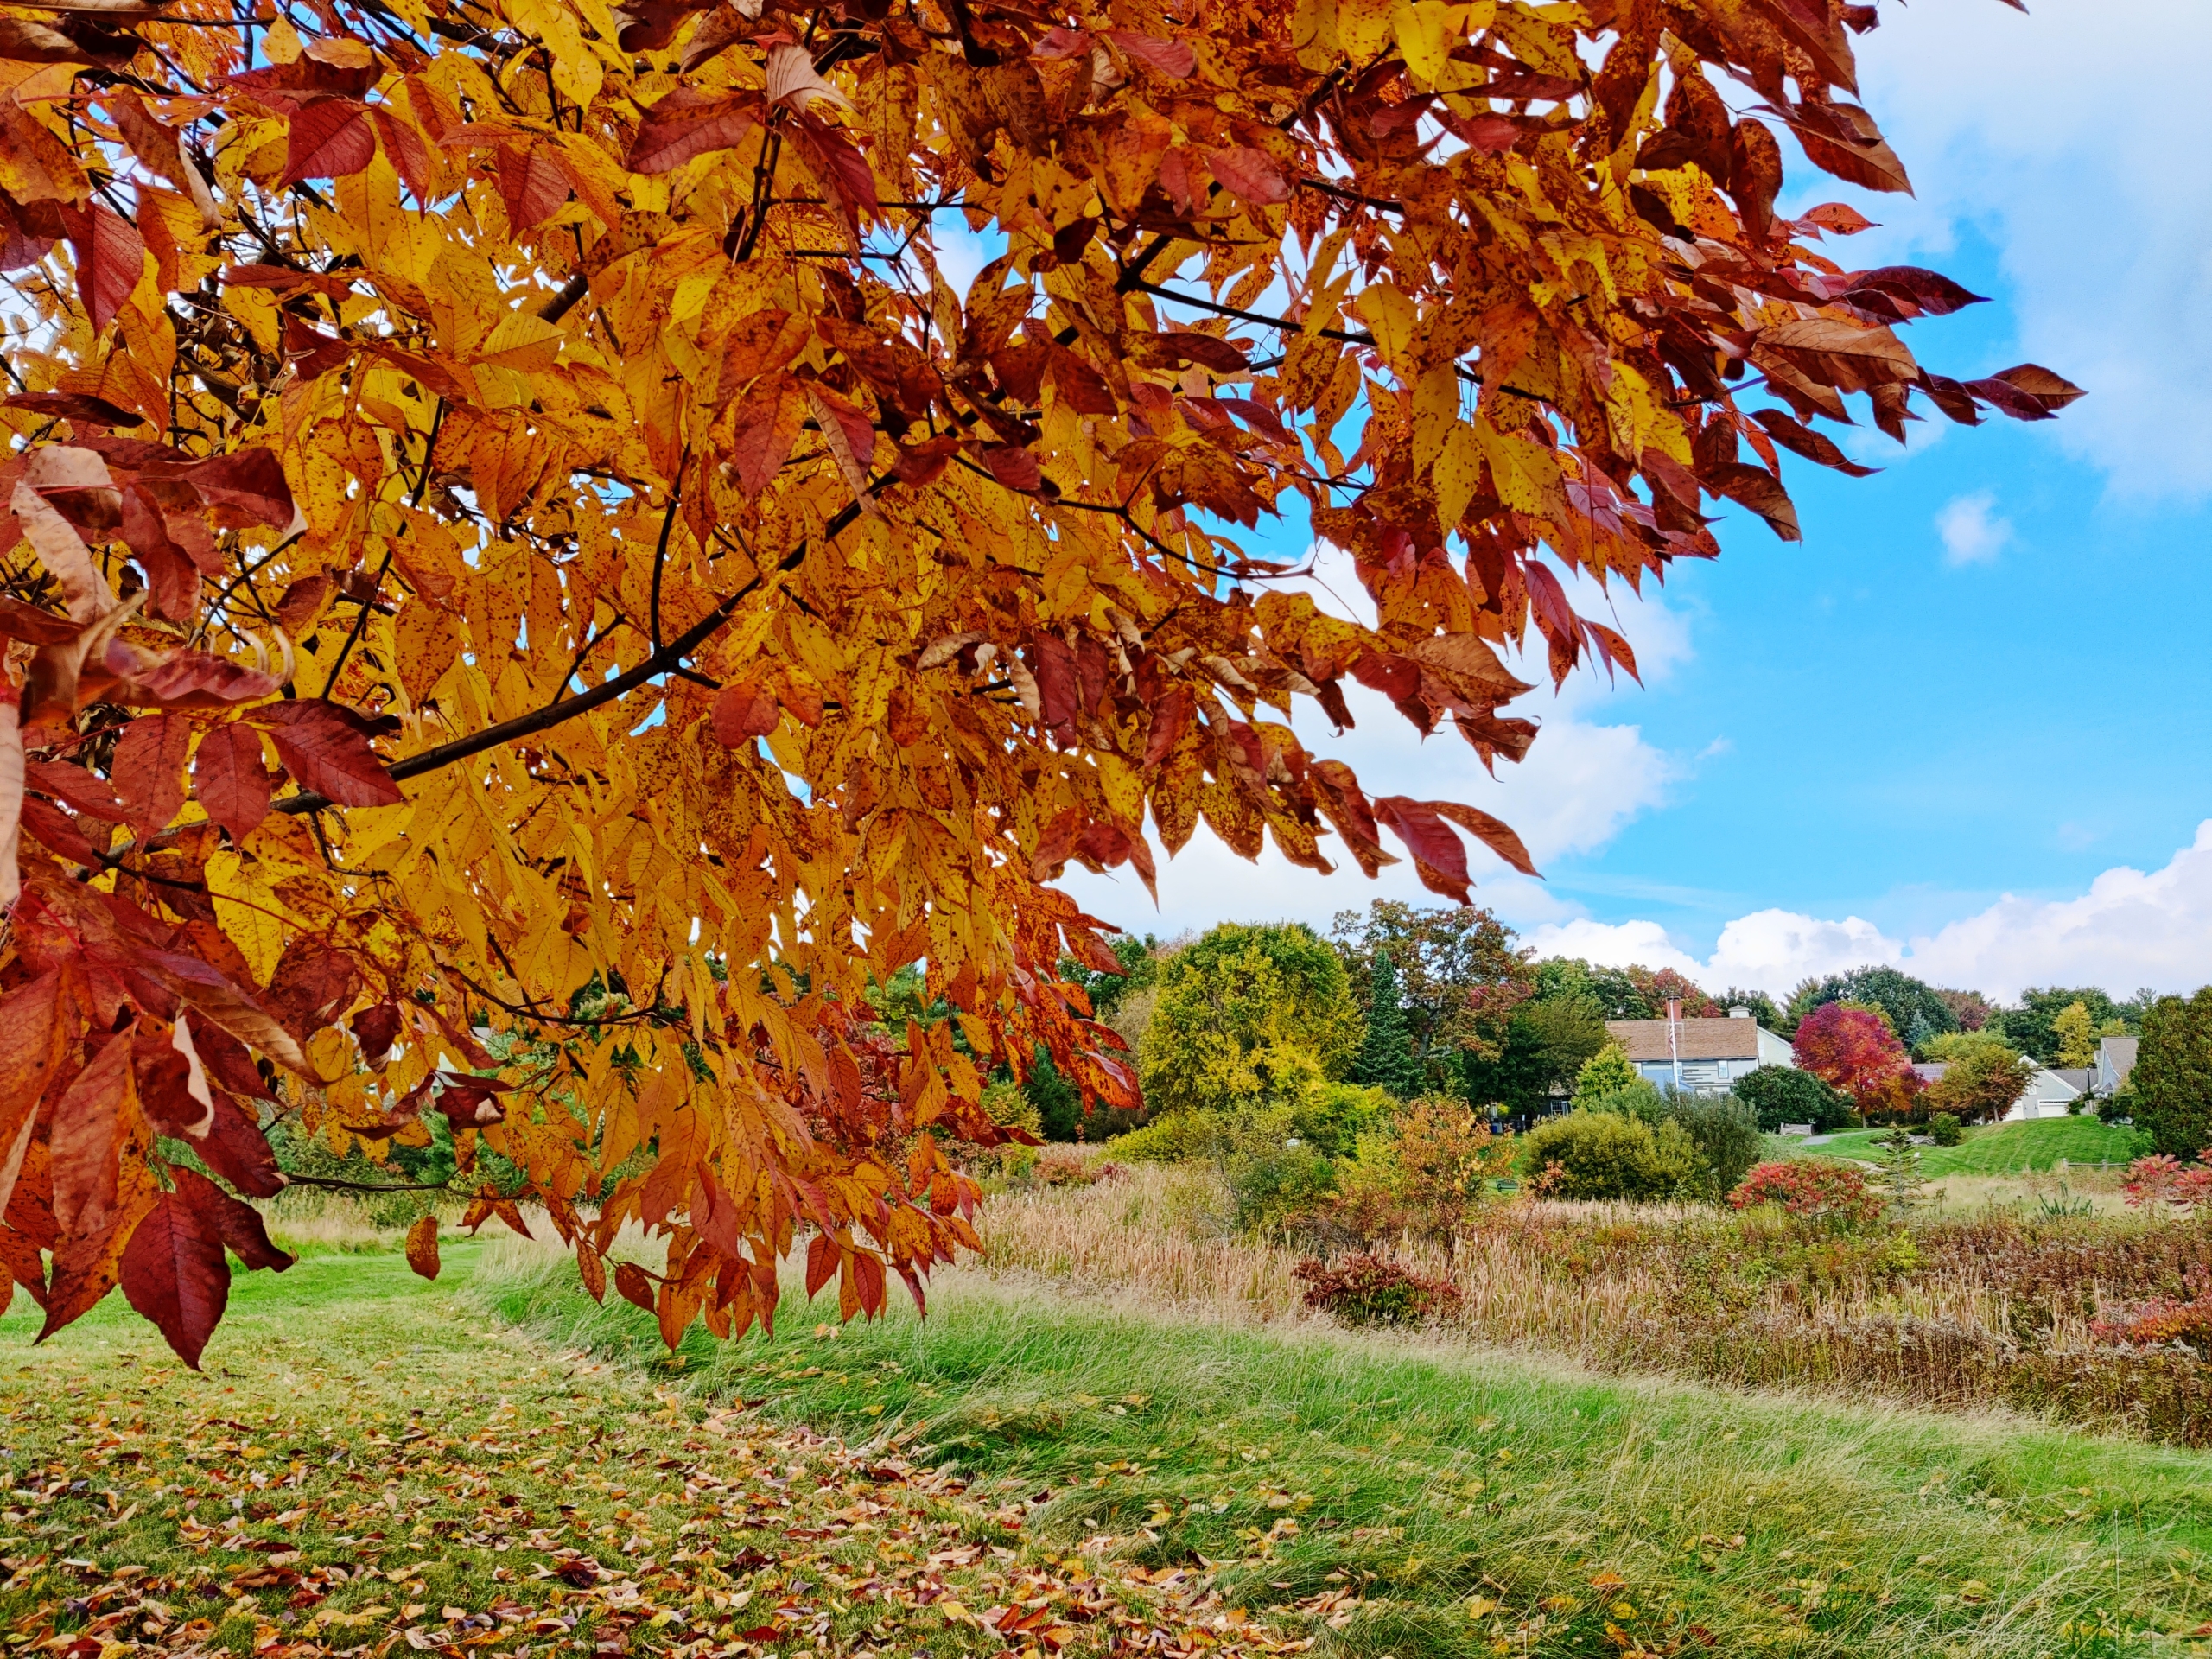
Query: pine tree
point(1386, 1056)
point(1898, 1177)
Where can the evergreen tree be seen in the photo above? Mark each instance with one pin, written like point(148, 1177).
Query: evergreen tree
point(2172, 1079)
point(1386, 1055)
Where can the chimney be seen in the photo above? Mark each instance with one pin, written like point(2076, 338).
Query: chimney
point(1673, 1010)
point(1739, 1014)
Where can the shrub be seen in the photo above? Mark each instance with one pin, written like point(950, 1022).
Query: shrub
point(1424, 1173)
point(2159, 1181)
point(1602, 1155)
point(1783, 1094)
point(1371, 1290)
point(1814, 1188)
point(1945, 1130)
point(1727, 1137)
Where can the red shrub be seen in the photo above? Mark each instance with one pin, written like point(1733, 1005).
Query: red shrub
point(1817, 1189)
point(1371, 1290)
point(2161, 1180)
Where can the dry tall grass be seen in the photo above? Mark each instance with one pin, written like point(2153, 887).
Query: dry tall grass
point(1989, 1312)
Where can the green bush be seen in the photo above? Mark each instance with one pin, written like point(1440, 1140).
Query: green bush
point(1783, 1094)
point(1727, 1137)
point(1608, 1155)
point(1944, 1130)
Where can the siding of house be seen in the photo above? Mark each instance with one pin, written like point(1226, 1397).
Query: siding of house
point(1702, 1056)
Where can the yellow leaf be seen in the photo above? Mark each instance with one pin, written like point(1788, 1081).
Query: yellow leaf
point(1458, 474)
point(427, 643)
point(1363, 26)
point(1391, 318)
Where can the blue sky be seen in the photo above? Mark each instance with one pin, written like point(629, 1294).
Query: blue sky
point(1964, 726)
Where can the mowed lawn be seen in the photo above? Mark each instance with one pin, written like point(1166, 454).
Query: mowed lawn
point(2002, 1148)
point(493, 1465)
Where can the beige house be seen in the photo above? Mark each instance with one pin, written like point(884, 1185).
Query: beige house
point(1699, 1057)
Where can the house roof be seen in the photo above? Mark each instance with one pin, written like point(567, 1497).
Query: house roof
point(2119, 1052)
point(1645, 1040)
point(1930, 1071)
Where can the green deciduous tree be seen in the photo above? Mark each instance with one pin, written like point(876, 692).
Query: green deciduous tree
point(2172, 1079)
point(2031, 1026)
point(1547, 1041)
point(1784, 1094)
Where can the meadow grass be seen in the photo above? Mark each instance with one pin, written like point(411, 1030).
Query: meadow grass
point(1464, 1502)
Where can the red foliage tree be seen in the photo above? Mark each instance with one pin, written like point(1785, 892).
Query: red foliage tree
point(1854, 1050)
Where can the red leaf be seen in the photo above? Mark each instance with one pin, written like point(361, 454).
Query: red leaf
point(1438, 858)
point(172, 577)
point(232, 783)
point(1170, 718)
point(148, 770)
point(636, 1289)
point(239, 1225)
point(821, 1262)
point(93, 1121)
point(688, 122)
point(34, 627)
point(1173, 59)
point(2052, 391)
point(1494, 833)
point(531, 184)
point(250, 480)
point(330, 139)
point(743, 712)
point(31, 1040)
point(1055, 685)
point(324, 747)
point(87, 791)
point(175, 1274)
point(234, 1147)
point(76, 406)
point(111, 258)
point(1842, 219)
point(1251, 175)
point(410, 156)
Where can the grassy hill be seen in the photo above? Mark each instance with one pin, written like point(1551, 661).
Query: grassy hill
point(369, 1458)
point(2004, 1148)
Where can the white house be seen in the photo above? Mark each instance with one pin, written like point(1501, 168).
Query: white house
point(2048, 1094)
point(1699, 1057)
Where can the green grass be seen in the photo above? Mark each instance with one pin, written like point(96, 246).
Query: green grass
point(2001, 1149)
point(1432, 1483)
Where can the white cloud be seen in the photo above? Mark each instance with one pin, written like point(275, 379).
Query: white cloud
point(2130, 929)
point(1585, 780)
point(1972, 535)
point(2056, 135)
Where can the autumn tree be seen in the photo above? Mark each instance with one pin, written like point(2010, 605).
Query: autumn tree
point(1853, 1048)
point(1979, 1083)
point(2076, 1035)
point(1459, 976)
point(519, 528)
point(1248, 1018)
